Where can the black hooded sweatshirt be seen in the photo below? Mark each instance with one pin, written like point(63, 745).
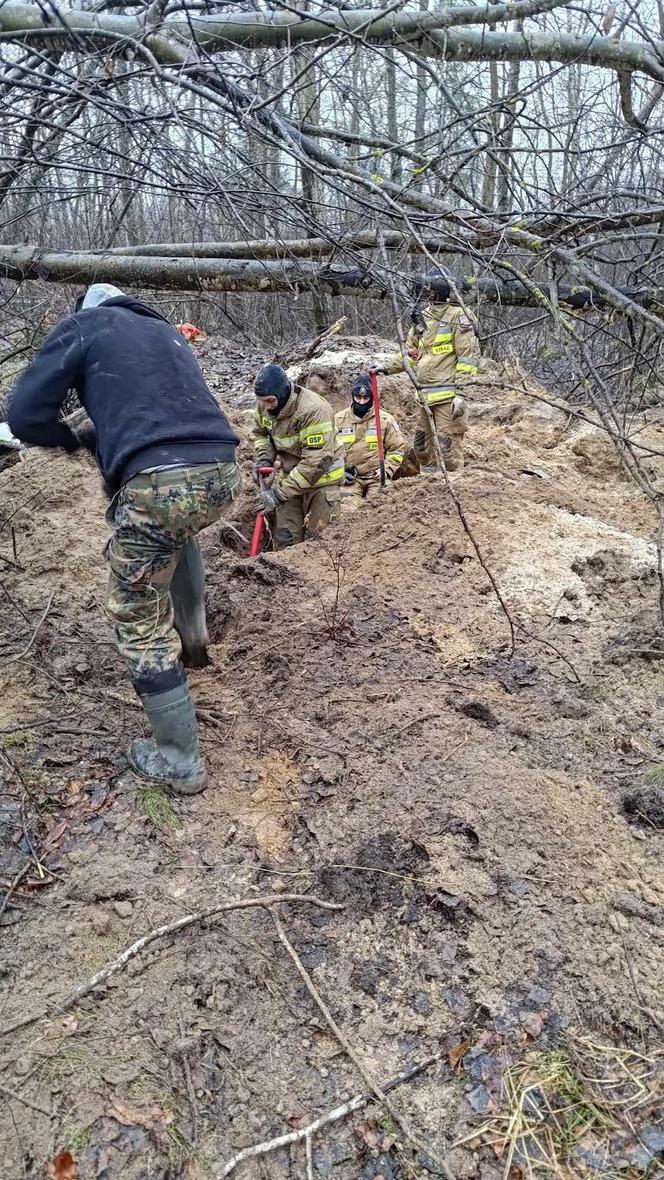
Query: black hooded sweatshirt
point(138, 380)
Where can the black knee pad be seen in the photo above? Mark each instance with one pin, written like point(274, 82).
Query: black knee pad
point(445, 443)
point(419, 440)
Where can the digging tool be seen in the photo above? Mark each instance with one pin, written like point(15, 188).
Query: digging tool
point(379, 427)
point(260, 516)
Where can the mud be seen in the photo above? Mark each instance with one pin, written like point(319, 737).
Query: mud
point(382, 749)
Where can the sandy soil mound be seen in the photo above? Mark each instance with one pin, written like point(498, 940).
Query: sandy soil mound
point(483, 818)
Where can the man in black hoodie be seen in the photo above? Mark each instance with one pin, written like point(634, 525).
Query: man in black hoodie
point(167, 456)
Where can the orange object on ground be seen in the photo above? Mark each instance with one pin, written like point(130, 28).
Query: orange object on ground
point(191, 333)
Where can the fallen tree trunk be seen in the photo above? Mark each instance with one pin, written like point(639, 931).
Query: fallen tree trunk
point(264, 277)
point(561, 224)
point(440, 34)
point(289, 248)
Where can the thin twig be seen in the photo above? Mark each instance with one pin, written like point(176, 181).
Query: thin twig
point(354, 1057)
point(30, 1105)
point(38, 724)
point(100, 977)
point(384, 872)
point(333, 330)
point(628, 960)
point(407, 726)
point(191, 1092)
point(14, 885)
point(15, 605)
point(26, 650)
point(231, 528)
point(439, 454)
point(25, 889)
point(15, 511)
point(650, 1012)
point(552, 647)
point(309, 1155)
point(332, 1116)
point(13, 564)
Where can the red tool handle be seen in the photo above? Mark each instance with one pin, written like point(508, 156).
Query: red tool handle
point(379, 427)
point(256, 535)
point(260, 518)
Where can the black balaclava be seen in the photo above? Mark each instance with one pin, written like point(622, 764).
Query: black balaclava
point(361, 384)
point(417, 317)
point(437, 287)
point(272, 381)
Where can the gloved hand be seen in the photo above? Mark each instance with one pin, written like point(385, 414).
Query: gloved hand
point(458, 406)
point(87, 437)
point(257, 478)
point(350, 475)
point(268, 499)
point(377, 368)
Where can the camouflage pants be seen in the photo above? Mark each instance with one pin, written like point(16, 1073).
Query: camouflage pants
point(155, 514)
point(450, 433)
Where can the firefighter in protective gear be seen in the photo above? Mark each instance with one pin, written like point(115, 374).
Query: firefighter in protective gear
point(296, 427)
point(357, 434)
point(444, 353)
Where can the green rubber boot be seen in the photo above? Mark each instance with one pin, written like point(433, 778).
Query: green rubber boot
point(172, 755)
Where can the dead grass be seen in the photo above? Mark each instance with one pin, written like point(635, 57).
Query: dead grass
point(569, 1111)
point(180, 1149)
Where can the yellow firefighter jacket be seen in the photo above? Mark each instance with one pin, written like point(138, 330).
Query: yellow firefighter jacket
point(444, 355)
point(303, 437)
point(359, 439)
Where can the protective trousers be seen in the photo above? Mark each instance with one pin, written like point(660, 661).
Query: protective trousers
point(353, 494)
point(305, 516)
point(450, 433)
point(156, 515)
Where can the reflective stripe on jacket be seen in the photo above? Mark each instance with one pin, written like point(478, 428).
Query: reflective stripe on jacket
point(447, 352)
point(359, 439)
point(303, 438)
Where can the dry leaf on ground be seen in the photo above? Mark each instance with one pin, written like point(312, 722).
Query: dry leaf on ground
point(63, 1167)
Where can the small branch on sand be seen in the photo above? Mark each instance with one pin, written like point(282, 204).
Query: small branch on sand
point(100, 977)
point(12, 1094)
point(332, 1116)
point(25, 651)
point(331, 331)
point(309, 1150)
point(372, 1085)
point(13, 886)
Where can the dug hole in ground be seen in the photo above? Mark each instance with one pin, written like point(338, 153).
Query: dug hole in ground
point(490, 823)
